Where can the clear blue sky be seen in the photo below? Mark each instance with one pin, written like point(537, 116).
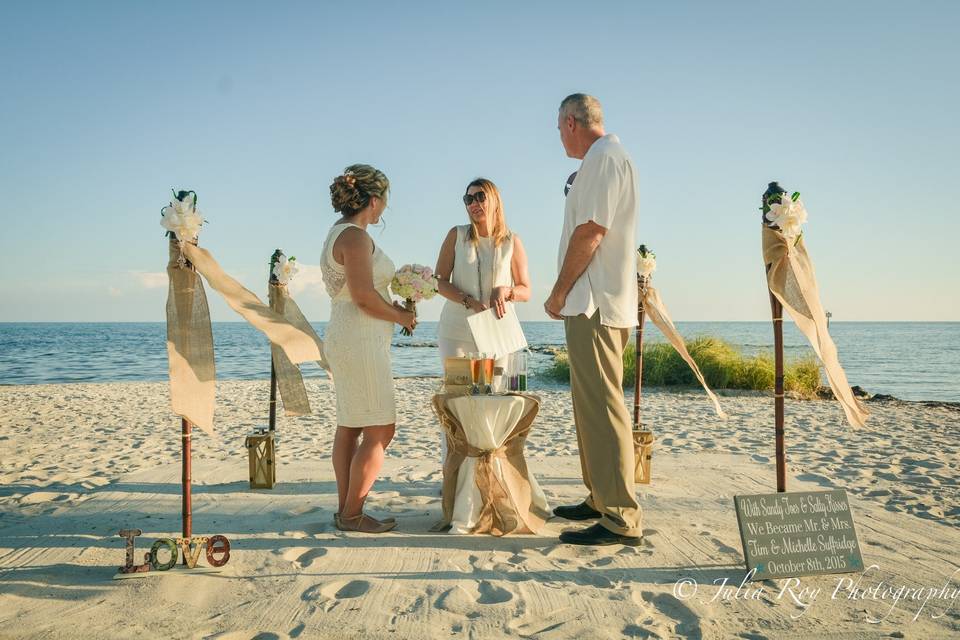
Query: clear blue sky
point(257, 106)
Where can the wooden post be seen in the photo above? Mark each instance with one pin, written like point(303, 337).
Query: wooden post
point(187, 512)
point(774, 190)
point(273, 370)
point(776, 309)
point(638, 361)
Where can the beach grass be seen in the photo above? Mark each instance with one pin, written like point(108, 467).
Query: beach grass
point(722, 365)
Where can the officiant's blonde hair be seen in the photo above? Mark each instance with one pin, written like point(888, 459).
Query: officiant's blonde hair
point(498, 229)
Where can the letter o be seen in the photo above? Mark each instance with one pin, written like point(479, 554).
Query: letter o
point(218, 544)
point(155, 549)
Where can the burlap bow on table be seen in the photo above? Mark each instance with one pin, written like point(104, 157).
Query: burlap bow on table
point(506, 502)
point(791, 279)
point(190, 337)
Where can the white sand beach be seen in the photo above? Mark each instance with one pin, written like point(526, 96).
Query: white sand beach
point(79, 462)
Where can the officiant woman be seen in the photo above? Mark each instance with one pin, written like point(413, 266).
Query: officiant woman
point(482, 265)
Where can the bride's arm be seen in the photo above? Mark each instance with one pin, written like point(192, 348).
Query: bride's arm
point(444, 270)
point(355, 249)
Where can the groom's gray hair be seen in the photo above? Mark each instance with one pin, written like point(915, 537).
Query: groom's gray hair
point(585, 109)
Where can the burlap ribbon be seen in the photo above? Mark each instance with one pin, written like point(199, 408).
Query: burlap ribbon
point(506, 502)
point(791, 279)
point(660, 317)
point(189, 344)
point(289, 379)
point(190, 338)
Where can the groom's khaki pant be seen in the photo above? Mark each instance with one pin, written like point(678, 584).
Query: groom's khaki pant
point(603, 424)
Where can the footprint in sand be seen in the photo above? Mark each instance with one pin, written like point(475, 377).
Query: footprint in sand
point(303, 557)
point(664, 604)
point(337, 590)
point(304, 510)
point(493, 594)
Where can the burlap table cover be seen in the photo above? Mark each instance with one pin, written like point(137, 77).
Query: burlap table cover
point(510, 500)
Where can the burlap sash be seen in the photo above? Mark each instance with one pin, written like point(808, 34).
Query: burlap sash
point(190, 337)
point(189, 345)
point(296, 344)
point(506, 504)
point(791, 279)
point(289, 380)
point(660, 317)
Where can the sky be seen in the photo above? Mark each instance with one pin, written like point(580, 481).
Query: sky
point(257, 106)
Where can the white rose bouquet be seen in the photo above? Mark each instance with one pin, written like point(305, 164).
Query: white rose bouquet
point(414, 283)
point(181, 217)
point(788, 215)
point(646, 261)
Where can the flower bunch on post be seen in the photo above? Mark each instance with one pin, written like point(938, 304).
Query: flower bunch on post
point(284, 269)
point(646, 261)
point(788, 215)
point(181, 217)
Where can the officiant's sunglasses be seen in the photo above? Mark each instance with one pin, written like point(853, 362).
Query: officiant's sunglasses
point(566, 187)
point(479, 196)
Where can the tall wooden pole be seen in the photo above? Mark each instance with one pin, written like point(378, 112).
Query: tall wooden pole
point(774, 190)
point(186, 430)
point(776, 309)
point(638, 361)
point(273, 370)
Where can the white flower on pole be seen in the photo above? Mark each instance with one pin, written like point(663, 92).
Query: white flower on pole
point(182, 218)
point(284, 269)
point(646, 262)
point(789, 215)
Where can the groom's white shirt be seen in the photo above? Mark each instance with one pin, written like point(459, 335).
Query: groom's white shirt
point(605, 192)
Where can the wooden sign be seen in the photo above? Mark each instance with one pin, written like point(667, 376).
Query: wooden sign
point(797, 534)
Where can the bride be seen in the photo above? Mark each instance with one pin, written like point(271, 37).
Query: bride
point(357, 340)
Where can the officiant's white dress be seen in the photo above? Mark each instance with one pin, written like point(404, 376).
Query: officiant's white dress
point(477, 269)
point(357, 345)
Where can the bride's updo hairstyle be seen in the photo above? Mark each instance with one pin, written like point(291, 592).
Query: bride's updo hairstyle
point(350, 193)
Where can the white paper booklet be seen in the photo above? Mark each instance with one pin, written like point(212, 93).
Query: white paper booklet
point(499, 336)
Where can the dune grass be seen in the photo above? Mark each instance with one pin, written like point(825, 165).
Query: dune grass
point(721, 364)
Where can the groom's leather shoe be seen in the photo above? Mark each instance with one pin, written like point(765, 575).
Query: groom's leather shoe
point(580, 511)
point(599, 535)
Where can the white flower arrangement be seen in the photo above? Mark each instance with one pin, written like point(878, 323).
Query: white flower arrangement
point(284, 269)
point(646, 262)
point(414, 283)
point(181, 217)
point(788, 215)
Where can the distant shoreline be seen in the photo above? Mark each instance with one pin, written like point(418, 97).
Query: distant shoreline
point(555, 386)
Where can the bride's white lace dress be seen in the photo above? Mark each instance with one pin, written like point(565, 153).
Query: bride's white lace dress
point(357, 345)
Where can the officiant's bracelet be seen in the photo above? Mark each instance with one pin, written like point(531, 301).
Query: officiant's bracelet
point(466, 300)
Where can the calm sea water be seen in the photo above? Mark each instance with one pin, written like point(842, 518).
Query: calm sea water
point(910, 360)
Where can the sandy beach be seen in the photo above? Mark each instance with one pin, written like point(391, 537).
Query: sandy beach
point(79, 462)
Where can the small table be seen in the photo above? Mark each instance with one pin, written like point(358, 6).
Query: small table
point(487, 487)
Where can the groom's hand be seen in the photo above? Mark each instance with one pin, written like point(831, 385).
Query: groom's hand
point(554, 305)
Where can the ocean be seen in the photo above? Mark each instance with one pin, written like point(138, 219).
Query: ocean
point(909, 360)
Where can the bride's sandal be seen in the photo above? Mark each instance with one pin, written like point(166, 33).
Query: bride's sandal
point(364, 524)
point(388, 519)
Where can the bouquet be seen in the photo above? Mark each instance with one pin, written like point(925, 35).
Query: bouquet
point(413, 283)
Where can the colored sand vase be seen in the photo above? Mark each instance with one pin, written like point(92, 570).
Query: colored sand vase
point(521, 371)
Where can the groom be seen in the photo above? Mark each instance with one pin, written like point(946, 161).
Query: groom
point(596, 297)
